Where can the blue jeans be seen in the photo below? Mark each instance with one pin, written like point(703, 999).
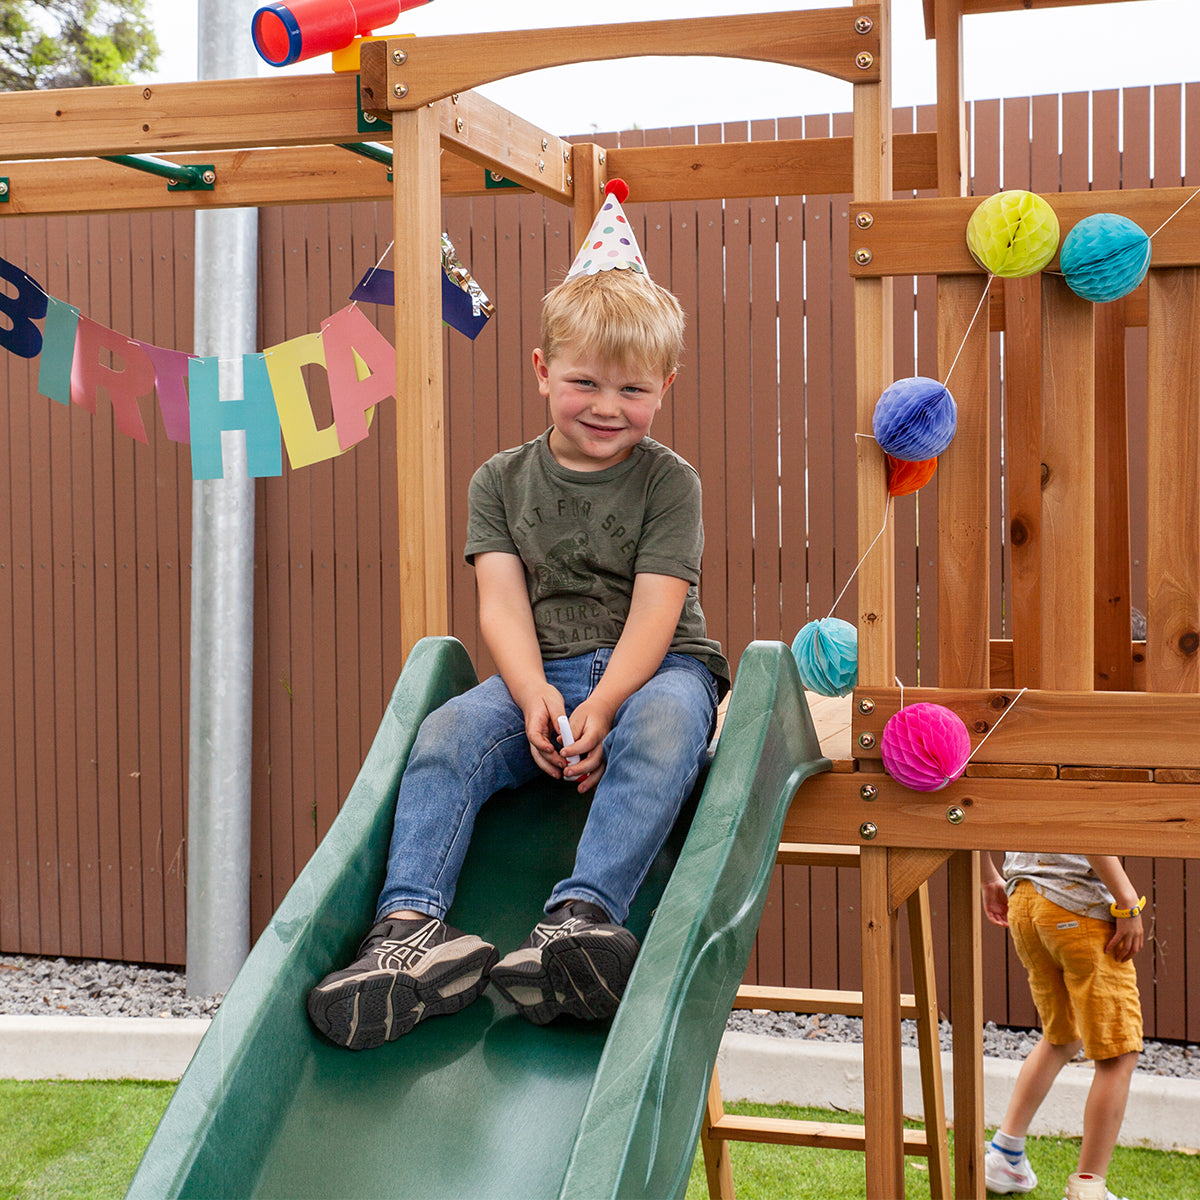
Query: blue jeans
point(475, 744)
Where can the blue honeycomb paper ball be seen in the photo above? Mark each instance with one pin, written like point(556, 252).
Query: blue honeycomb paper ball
point(826, 654)
point(1105, 257)
point(915, 419)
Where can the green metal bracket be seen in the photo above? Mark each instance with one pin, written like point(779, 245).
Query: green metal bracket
point(373, 151)
point(201, 177)
point(4, 189)
point(493, 179)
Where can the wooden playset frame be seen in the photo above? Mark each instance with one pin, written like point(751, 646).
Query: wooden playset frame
point(278, 141)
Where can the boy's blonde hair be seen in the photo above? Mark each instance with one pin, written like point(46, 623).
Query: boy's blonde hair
point(620, 317)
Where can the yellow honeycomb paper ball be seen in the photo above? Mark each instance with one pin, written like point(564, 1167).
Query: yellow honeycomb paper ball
point(1013, 234)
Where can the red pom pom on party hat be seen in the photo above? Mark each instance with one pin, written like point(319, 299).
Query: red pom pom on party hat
point(618, 188)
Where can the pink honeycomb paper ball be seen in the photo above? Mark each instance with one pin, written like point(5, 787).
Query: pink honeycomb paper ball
point(925, 747)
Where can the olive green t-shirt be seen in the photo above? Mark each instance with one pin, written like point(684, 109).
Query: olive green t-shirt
point(584, 535)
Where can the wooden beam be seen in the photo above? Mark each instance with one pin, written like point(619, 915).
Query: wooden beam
point(487, 134)
point(907, 870)
point(811, 1000)
point(401, 74)
point(976, 7)
point(245, 179)
point(928, 236)
point(1068, 541)
point(1069, 816)
point(1023, 442)
point(169, 118)
point(1173, 479)
point(1113, 619)
point(326, 174)
point(964, 473)
point(1081, 728)
point(790, 167)
point(828, 1135)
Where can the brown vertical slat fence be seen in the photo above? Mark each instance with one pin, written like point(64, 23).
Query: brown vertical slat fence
point(95, 580)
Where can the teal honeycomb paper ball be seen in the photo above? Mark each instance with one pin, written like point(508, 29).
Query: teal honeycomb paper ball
point(826, 654)
point(1105, 257)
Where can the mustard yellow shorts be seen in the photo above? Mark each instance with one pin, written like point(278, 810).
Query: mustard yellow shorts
point(1080, 991)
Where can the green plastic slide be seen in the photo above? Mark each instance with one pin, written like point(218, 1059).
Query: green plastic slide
point(483, 1105)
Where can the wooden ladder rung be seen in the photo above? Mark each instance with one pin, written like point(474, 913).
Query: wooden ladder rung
point(786, 1132)
point(812, 1000)
point(815, 854)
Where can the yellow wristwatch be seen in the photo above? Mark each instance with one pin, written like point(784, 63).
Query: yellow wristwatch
point(1135, 911)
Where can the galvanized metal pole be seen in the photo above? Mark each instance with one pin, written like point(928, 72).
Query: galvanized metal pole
point(222, 647)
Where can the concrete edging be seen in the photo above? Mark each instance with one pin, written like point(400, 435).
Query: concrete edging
point(1163, 1113)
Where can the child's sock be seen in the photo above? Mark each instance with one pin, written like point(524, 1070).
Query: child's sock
point(1013, 1148)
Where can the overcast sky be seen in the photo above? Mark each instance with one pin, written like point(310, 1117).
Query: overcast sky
point(1025, 53)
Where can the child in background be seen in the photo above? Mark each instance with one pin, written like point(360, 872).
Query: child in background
point(586, 544)
point(1076, 923)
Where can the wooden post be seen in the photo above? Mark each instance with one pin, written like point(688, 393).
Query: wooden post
point(420, 455)
point(873, 345)
point(920, 940)
point(964, 627)
point(883, 1095)
point(966, 1019)
point(589, 175)
point(718, 1163)
point(873, 358)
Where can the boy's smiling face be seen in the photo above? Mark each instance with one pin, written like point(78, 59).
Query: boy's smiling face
point(600, 410)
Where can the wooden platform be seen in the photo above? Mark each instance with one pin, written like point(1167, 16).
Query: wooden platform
point(831, 717)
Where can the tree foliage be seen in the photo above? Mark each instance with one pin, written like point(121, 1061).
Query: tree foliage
point(73, 43)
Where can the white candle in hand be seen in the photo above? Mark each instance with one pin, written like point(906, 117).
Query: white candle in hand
point(568, 738)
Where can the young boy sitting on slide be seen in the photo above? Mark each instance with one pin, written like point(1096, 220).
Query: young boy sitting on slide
point(586, 544)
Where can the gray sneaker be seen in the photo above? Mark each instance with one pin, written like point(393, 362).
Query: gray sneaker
point(405, 971)
point(576, 962)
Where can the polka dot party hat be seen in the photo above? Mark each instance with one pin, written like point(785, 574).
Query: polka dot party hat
point(610, 244)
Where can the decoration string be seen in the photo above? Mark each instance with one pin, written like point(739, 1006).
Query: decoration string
point(1178, 211)
point(974, 317)
point(886, 509)
point(367, 278)
point(995, 725)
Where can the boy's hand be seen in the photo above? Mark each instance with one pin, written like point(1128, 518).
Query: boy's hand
point(590, 724)
point(1128, 939)
point(542, 708)
point(995, 901)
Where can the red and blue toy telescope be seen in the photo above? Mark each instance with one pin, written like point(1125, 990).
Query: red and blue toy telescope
point(289, 33)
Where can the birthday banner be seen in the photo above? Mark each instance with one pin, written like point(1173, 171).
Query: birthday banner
point(79, 357)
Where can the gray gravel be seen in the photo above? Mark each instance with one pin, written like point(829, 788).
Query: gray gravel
point(59, 987)
point(31, 986)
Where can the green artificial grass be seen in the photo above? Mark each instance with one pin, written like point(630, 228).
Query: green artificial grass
point(83, 1141)
point(62, 1140)
point(764, 1172)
